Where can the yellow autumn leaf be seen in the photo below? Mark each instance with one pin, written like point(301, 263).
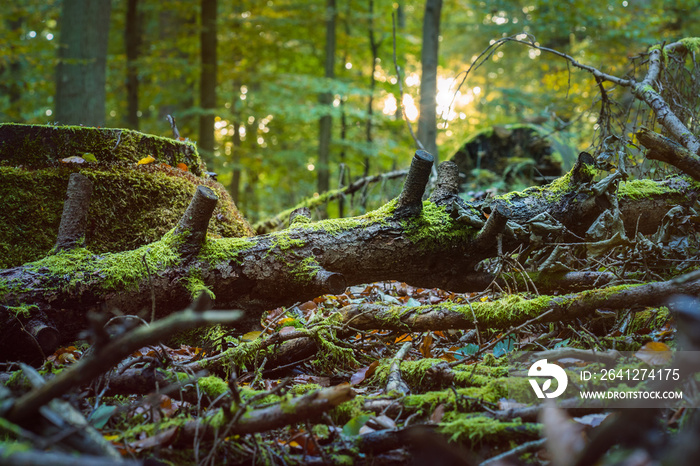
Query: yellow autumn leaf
point(483, 299)
point(89, 157)
point(250, 336)
point(145, 160)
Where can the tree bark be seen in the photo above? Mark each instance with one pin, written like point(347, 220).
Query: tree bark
point(132, 40)
point(325, 124)
point(207, 83)
point(82, 59)
point(427, 121)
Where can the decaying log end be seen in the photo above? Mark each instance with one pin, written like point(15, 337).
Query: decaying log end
point(303, 212)
point(73, 225)
point(447, 182)
point(44, 334)
point(410, 202)
point(584, 171)
point(333, 282)
point(195, 221)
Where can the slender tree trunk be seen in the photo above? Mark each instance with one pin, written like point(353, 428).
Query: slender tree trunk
point(13, 69)
point(374, 48)
point(326, 98)
point(207, 84)
point(82, 60)
point(400, 26)
point(133, 40)
point(427, 122)
point(235, 186)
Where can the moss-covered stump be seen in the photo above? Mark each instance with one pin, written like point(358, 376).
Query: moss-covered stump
point(132, 204)
point(514, 151)
point(38, 145)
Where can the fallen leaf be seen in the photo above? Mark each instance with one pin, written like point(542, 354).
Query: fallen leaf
point(73, 159)
point(146, 160)
point(655, 353)
point(162, 439)
point(182, 167)
point(250, 336)
point(437, 415)
point(425, 346)
point(565, 438)
point(364, 373)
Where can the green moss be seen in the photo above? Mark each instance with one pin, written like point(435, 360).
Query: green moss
point(111, 272)
point(639, 189)
point(36, 145)
point(649, 319)
point(552, 192)
point(18, 381)
point(217, 250)
point(473, 429)
point(23, 310)
point(304, 388)
point(336, 226)
point(692, 44)
point(129, 207)
point(342, 413)
point(306, 270)
point(213, 386)
point(434, 227)
point(196, 286)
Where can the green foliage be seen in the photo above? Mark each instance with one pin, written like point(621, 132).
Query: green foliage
point(271, 73)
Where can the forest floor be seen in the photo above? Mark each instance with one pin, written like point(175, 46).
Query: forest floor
point(371, 397)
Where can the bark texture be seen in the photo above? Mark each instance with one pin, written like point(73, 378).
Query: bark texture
point(82, 59)
point(427, 121)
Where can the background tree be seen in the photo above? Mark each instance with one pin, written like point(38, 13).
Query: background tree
point(133, 33)
point(80, 72)
point(427, 123)
point(326, 98)
point(207, 82)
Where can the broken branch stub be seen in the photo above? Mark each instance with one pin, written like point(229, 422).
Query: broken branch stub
point(666, 150)
point(300, 212)
point(194, 223)
point(333, 282)
point(410, 202)
point(71, 231)
point(447, 182)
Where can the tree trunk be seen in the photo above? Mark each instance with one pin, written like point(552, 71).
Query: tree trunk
point(82, 59)
point(325, 125)
point(12, 71)
point(133, 39)
point(207, 83)
point(427, 121)
point(374, 49)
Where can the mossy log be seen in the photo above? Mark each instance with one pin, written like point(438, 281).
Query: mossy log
point(131, 204)
point(434, 243)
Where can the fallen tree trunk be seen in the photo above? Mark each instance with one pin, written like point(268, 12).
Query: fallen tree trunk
point(434, 243)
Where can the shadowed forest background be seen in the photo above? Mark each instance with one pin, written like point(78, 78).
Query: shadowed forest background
point(260, 131)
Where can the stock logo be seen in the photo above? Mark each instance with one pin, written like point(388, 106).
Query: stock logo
point(542, 368)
